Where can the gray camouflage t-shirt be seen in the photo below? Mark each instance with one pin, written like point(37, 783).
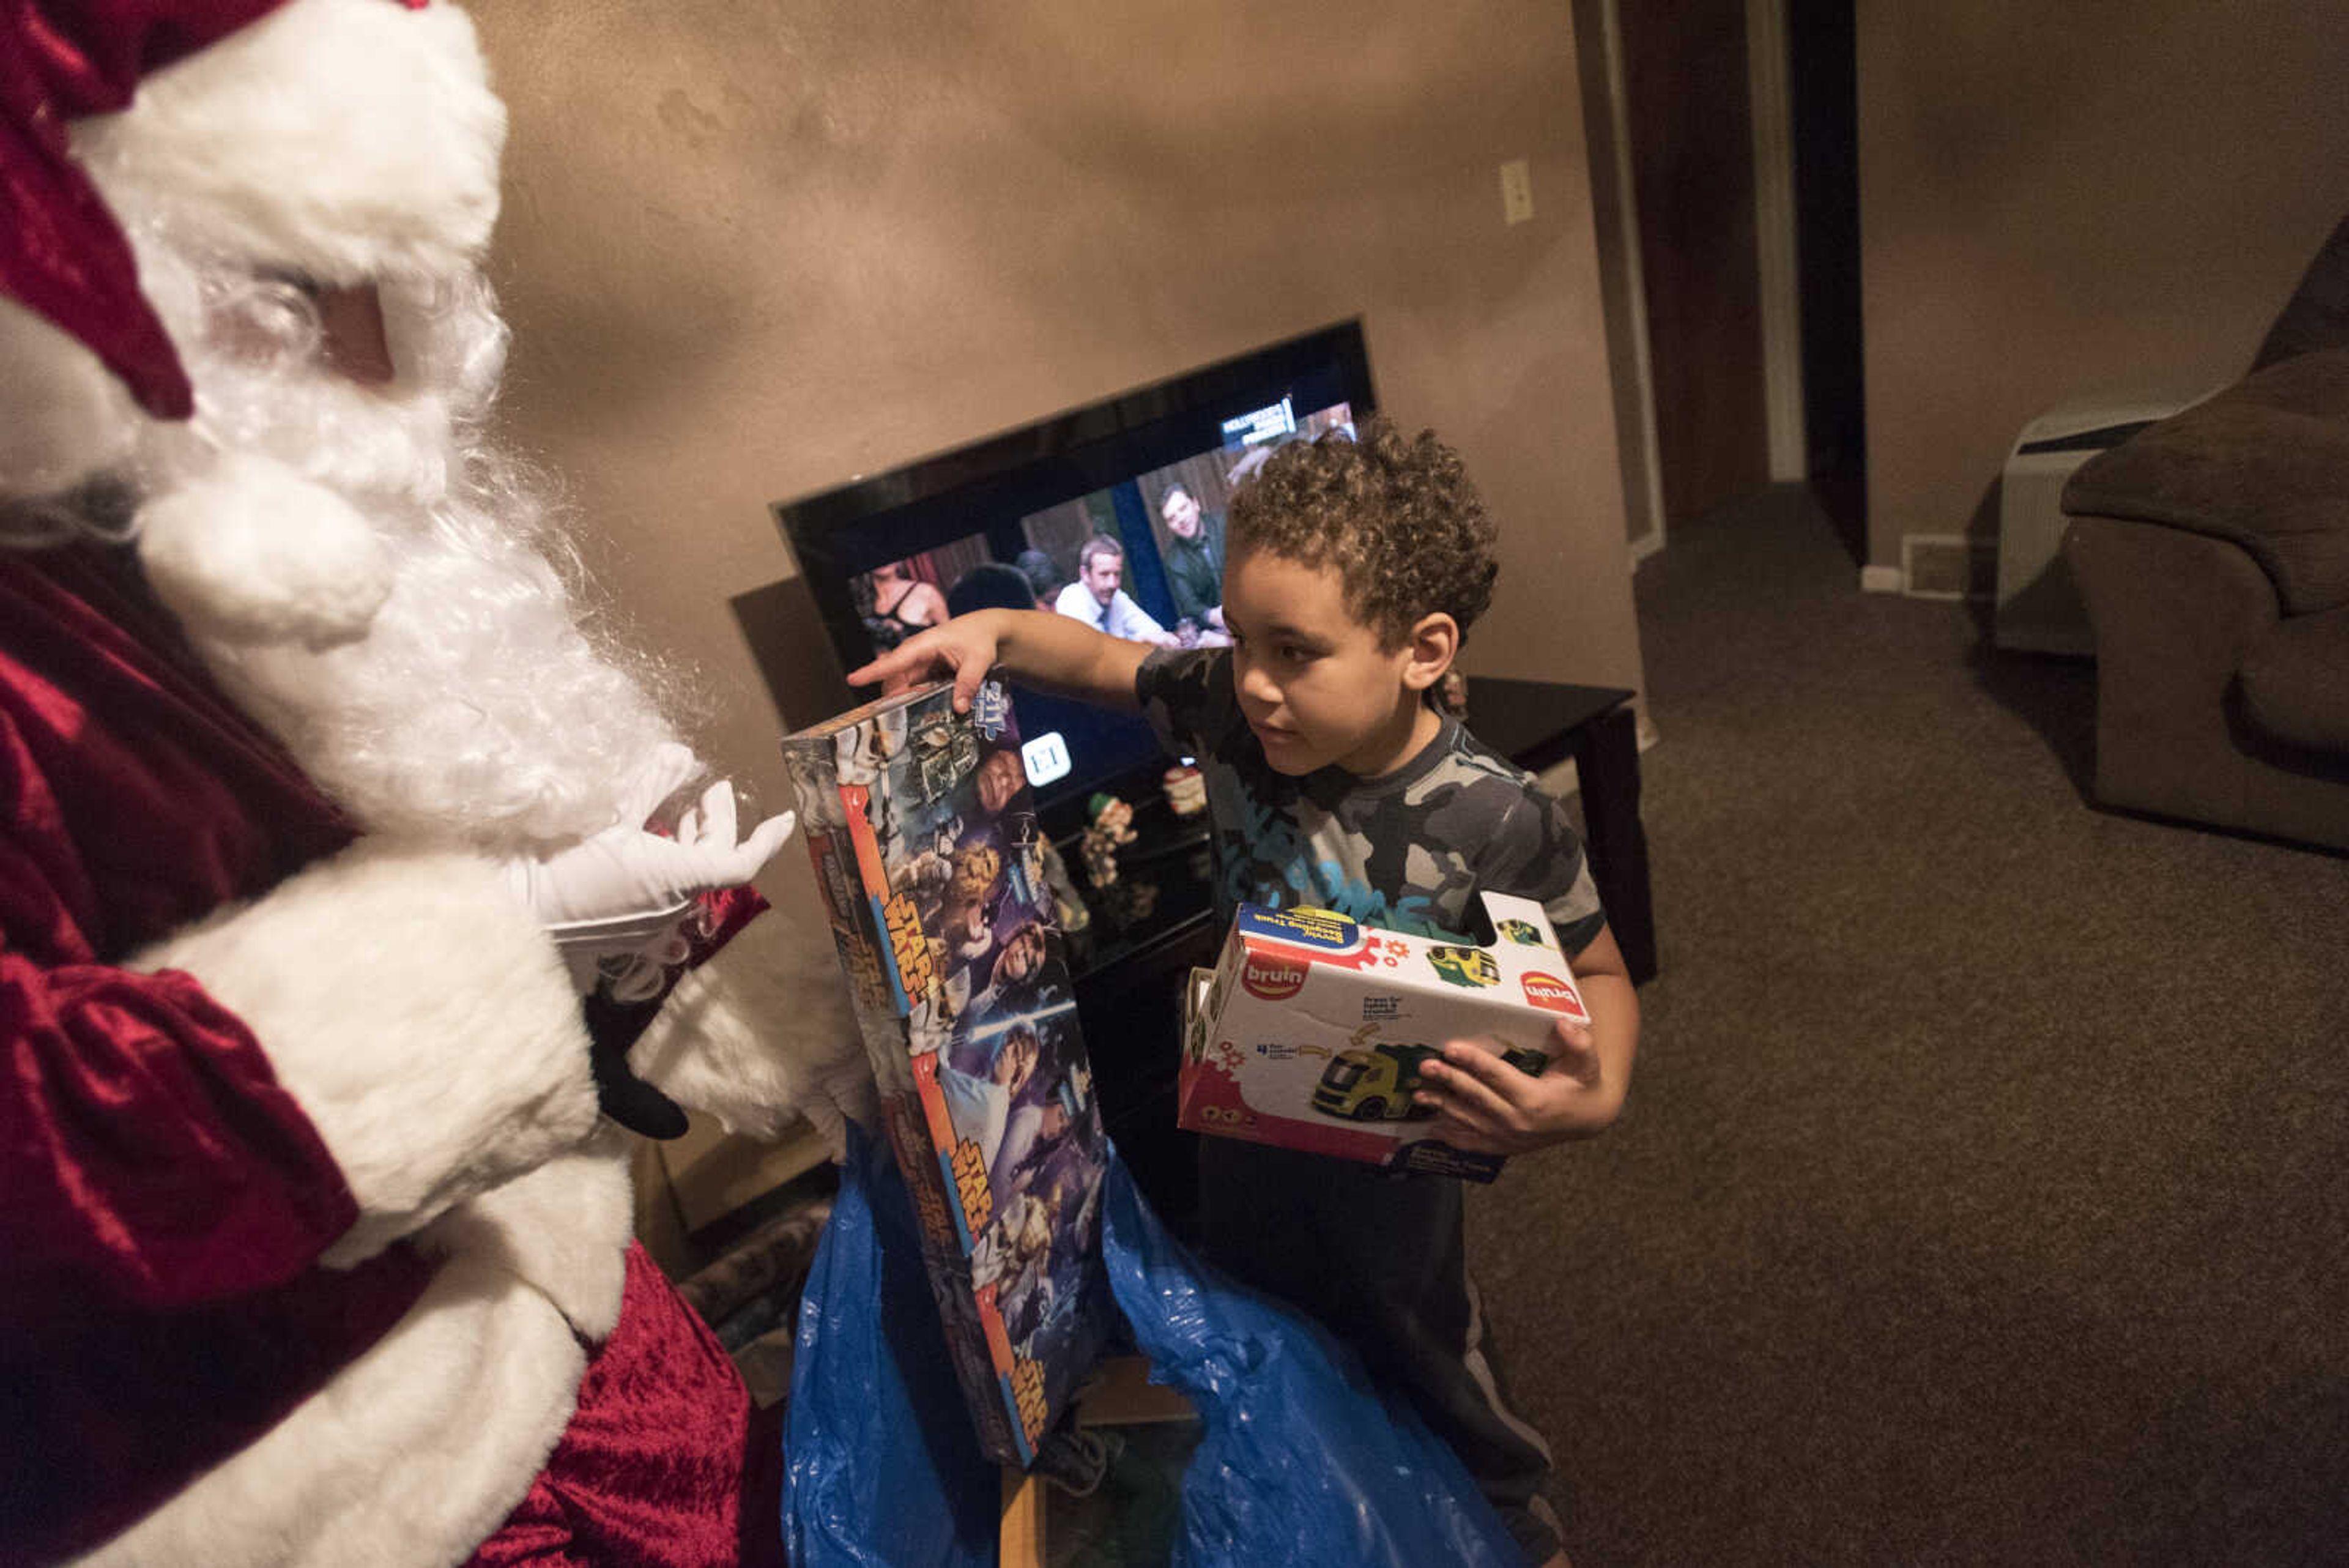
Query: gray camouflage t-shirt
point(1407, 851)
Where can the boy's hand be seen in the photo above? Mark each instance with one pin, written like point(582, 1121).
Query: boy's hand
point(1489, 1107)
point(965, 647)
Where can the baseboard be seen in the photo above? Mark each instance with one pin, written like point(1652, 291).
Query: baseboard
point(1880, 580)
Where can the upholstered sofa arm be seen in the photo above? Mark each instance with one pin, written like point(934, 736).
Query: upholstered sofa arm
point(2295, 683)
point(2263, 466)
point(2182, 621)
point(2175, 613)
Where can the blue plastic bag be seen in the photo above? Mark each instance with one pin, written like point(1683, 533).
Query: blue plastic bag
point(881, 1464)
point(1299, 1460)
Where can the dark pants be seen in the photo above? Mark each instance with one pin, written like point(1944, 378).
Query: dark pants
point(1379, 1261)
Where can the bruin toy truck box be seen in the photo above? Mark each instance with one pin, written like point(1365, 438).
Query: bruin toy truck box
point(930, 865)
point(1310, 1032)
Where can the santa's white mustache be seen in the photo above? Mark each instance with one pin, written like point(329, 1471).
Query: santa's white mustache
point(364, 571)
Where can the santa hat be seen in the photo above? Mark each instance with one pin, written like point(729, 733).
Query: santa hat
point(333, 140)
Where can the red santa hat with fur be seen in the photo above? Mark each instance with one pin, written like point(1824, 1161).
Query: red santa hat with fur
point(324, 142)
point(335, 140)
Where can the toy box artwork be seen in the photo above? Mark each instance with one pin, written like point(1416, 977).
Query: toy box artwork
point(930, 864)
point(1311, 1030)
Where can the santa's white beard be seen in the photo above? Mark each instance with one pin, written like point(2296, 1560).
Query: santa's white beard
point(471, 705)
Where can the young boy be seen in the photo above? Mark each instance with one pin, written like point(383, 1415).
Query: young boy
point(1355, 569)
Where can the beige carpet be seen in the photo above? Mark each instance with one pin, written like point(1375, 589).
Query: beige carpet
point(1982, 1199)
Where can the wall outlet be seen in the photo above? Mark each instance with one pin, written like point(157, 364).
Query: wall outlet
point(1516, 191)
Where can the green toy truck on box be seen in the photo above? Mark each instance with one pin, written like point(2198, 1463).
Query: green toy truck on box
point(1311, 1031)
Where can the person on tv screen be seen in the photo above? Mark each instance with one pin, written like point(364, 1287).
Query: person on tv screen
point(1043, 577)
point(1194, 560)
point(902, 606)
point(1096, 599)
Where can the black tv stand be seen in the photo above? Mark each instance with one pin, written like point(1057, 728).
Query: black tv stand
point(1158, 922)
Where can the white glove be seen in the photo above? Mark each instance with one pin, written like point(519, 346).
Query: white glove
point(627, 886)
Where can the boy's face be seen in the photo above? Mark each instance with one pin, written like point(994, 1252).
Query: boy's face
point(1314, 684)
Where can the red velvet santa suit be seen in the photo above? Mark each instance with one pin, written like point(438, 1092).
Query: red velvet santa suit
point(313, 1246)
point(169, 1202)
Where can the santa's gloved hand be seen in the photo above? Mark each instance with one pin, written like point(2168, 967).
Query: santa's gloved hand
point(626, 886)
point(613, 905)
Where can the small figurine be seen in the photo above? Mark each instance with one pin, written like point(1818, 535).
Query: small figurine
point(1112, 829)
point(1186, 790)
point(1069, 910)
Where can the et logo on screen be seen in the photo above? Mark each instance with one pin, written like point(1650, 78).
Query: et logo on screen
point(1046, 757)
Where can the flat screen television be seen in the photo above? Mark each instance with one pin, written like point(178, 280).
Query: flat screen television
point(884, 554)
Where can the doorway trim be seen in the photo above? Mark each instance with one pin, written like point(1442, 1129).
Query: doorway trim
point(1773, 112)
point(1775, 230)
point(1650, 476)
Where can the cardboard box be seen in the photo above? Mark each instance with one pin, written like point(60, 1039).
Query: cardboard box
point(1311, 1030)
point(929, 859)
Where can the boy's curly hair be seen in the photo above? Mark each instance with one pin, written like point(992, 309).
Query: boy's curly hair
point(1398, 518)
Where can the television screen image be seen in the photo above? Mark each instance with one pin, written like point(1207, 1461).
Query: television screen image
point(1114, 513)
point(1185, 503)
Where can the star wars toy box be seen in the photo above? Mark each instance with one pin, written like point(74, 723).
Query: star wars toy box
point(1311, 1030)
point(930, 864)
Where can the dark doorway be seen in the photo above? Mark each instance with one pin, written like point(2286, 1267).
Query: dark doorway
point(1691, 154)
point(1823, 82)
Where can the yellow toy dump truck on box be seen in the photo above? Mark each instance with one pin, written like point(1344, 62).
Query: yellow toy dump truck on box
point(1311, 1030)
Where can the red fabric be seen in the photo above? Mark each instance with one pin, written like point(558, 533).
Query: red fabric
point(164, 1198)
point(61, 252)
point(652, 1470)
point(724, 913)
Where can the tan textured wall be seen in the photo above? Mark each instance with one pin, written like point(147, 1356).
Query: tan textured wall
point(2061, 201)
point(751, 251)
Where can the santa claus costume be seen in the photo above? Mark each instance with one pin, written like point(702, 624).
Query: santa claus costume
point(319, 812)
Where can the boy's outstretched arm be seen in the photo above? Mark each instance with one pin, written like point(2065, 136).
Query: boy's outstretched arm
point(1035, 647)
point(1484, 1103)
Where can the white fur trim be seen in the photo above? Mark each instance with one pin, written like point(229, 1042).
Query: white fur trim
point(423, 1445)
point(252, 552)
point(418, 1016)
point(64, 415)
point(562, 1228)
point(341, 139)
point(761, 1031)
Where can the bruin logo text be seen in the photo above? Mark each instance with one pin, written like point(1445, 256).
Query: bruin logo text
point(1272, 978)
point(1227, 1115)
point(1550, 991)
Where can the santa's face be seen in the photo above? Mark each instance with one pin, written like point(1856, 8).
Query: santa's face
point(352, 340)
point(457, 697)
